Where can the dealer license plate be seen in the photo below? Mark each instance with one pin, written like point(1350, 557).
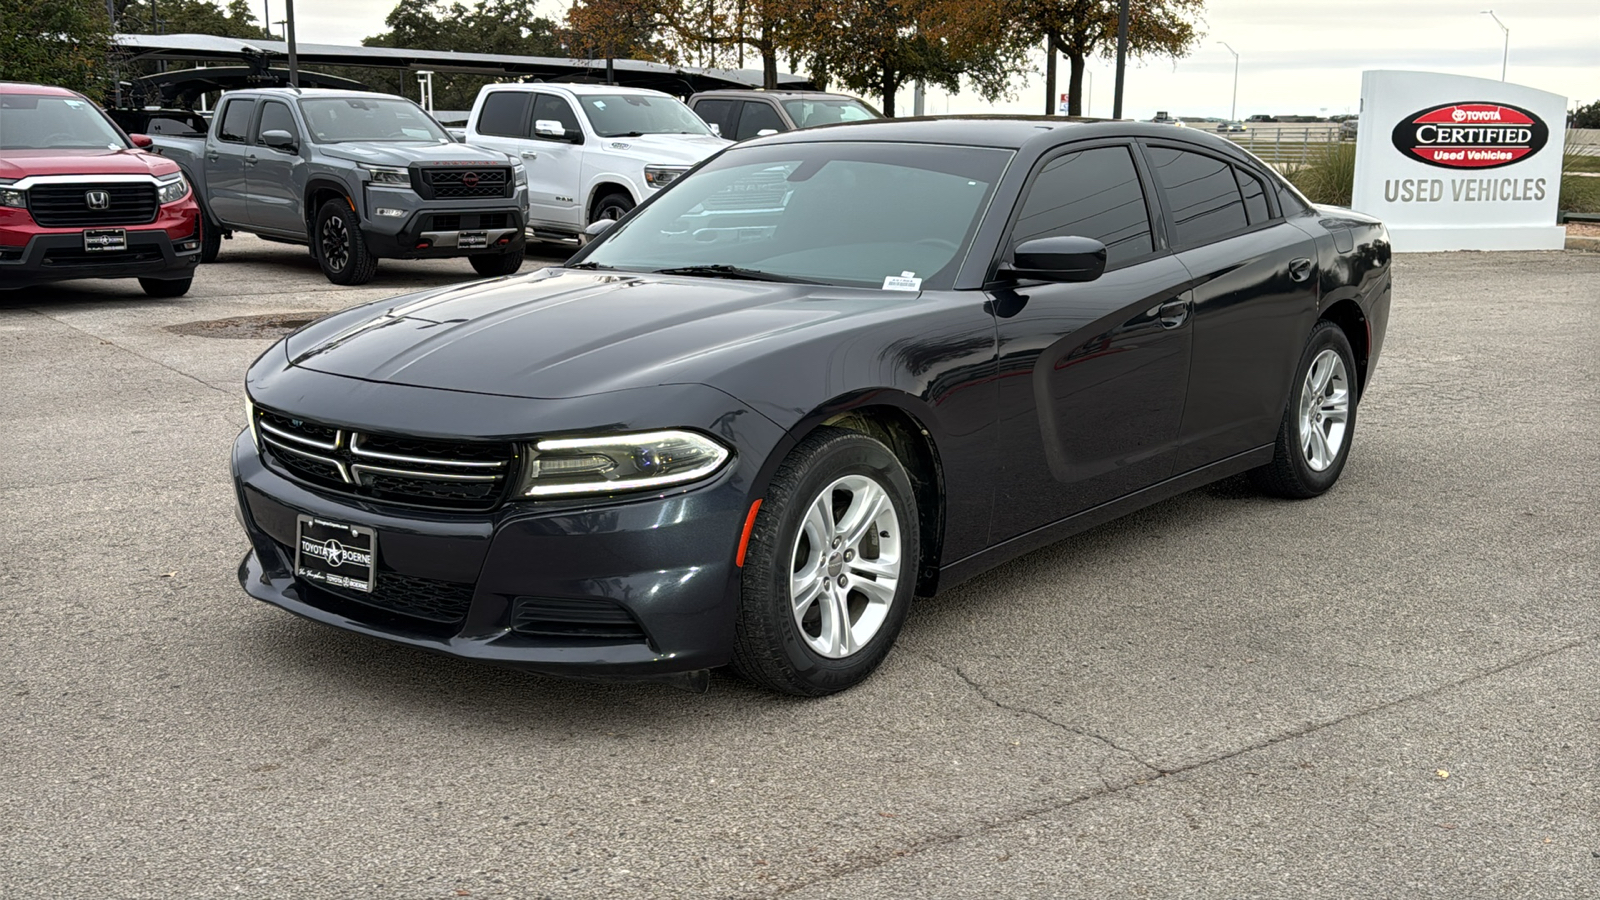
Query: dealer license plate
point(472, 240)
point(335, 554)
point(96, 239)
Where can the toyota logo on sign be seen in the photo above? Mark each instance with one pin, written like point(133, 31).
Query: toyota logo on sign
point(470, 179)
point(1471, 135)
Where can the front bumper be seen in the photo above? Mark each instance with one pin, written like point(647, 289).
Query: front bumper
point(667, 561)
point(431, 229)
point(168, 248)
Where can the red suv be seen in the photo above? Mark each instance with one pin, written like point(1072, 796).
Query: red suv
point(79, 198)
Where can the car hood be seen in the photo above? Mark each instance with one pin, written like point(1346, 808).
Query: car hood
point(15, 164)
point(562, 333)
point(404, 153)
point(669, 149)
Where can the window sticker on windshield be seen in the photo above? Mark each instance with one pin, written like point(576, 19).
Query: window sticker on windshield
point(907, 281)
point(599, 104)
point(75, 104)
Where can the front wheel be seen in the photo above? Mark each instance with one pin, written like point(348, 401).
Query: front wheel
point(210, 238)
point(1319, 422)
point(831, 567)
point(339, 246)
point(492, 264)
point(166, 287)
point(612, 206)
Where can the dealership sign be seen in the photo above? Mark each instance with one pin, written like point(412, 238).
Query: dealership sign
point(1456, 163)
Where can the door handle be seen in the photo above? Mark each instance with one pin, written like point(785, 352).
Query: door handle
point(1300, 269)
point(530, 154)
point(250, 160)
point(1173, 313)
point(212, 156)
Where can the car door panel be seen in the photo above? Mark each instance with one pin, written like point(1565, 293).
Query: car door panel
point(555, 176)
point(227, 186)
point(272, 175)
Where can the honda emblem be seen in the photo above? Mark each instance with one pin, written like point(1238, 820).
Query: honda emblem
point(97, 199)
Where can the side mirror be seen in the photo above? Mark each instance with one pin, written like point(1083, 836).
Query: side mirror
point(766, 131)
point(278, 139)
point(596, 229)
point(142, 141)
point(1063, 259)
point(716, 129)
point(551, 128)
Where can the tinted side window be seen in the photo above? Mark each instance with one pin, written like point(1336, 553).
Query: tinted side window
point(716, 113)
point(1205, 199)
point(554, 108)
point(236, 120)
point(1287, 200)
point(758, 116)
point(276, 116)
point(1255, 196)
point(1091, 193)
point(505, 113)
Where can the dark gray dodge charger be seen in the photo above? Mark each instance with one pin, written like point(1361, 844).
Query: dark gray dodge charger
point(825, 373)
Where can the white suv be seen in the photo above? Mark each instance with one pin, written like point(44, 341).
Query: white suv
point(591, 151)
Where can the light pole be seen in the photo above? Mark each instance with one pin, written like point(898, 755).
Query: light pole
point(1233, 111)
point(1506, 53)
point(425, 88)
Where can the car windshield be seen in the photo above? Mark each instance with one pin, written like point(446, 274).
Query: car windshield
point(859, 214)
point(633, 115)
point(337, 119)
point(35, 122)
point(811, 112)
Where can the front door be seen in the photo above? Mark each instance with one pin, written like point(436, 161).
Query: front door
point(1092, 376)
point(273, 176)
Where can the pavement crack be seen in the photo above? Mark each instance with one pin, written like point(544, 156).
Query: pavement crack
point(197, 380)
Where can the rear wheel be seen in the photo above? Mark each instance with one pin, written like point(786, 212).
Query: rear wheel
point(1319, 422)
point(166, 287)
point(831, 567)
point(491, 264)
point(339, 246)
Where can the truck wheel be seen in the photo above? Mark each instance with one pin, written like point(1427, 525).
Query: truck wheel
point(210, 238)
point(491, 264)
point(612, 206)
point(166, 287)
point(341, 250)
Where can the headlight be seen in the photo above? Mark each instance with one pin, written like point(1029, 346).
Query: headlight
point(661, 176)
point(521, 174)
point(172, 190)
point(10, 197)
point(624, 462)
point(388, 175)
point(250, 423)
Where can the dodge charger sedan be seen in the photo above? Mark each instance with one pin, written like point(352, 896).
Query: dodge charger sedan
point(825, 373)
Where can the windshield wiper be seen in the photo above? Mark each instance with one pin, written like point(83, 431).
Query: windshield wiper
point(625, 134)
point(726, 271)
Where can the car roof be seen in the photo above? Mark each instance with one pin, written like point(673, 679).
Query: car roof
point(576, 88)
point(22, 87)
point(733, 92)
point(1008, 132)
point(316, 93)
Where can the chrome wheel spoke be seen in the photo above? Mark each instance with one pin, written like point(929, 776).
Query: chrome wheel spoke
point(867, 505)
point(1324, 411)
point(837, 564)
point(836, 634)
point(803, 592)
point(819, 524)
point(879, 591)
point(879, 568)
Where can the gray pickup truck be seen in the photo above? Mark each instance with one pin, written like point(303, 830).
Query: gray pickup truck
point(356, 176)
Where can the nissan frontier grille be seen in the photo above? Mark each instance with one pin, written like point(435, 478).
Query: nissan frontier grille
point(456, 184)
point(463, 475)
point(92, 204)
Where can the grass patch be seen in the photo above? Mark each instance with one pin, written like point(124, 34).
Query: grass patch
point(1328, 175)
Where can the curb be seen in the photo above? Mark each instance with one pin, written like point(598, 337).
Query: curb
point(1591, 244)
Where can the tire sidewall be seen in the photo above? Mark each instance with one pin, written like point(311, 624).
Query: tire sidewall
point(621, 202)
point(855, 455)
point(1327, 336)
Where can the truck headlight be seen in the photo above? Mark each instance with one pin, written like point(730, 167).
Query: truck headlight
point(172, 189)
point(616, 463)
point(14, 198)
point(661, 176)
point(389, 176)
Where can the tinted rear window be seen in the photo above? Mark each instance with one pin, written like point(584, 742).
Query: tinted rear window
point(1205, 199)
point(236, 120)
point(505, 113)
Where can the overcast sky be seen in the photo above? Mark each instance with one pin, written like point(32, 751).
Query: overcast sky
point(1295, 56)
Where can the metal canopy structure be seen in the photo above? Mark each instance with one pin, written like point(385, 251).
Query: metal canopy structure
point(679, 80)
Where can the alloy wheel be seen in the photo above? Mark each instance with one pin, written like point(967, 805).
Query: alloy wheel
point(845, 566)
point(335, 243)
point(1324, 410)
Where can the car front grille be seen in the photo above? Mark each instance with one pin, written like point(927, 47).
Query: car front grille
point(71, 257)
point(469, 222)
point(67, 205)
point(457, 475)
point(456, 184)
point(419, 598)
point(565, 618)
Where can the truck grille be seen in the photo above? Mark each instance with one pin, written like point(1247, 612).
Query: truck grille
point(469, 222)
point(455, 184)
point(462, 475)
point(67, 205)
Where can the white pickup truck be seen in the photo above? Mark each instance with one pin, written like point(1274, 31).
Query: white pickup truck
point(591, 151)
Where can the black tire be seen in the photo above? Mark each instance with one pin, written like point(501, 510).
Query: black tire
point(612, 206)
point(492, 264)
point(772, 647)
point(340, 249)
point(1294, 471)
point(166, 287)
point(210, 239)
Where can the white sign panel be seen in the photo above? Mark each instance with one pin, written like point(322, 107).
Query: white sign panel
point(1456, 163)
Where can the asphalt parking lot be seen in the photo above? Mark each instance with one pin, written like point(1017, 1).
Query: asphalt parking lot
point(1390, 691)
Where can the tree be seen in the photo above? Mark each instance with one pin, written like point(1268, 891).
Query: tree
point(1082, 28)
point(1586, 116)
point(52, 42)
point(235, 20)
point(618, 29)
point(488, 26)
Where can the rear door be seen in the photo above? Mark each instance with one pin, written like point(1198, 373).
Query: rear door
point(756, 117)
point(227, 188)
point(1255, 298)
point(274, 176)
point(1092, 376)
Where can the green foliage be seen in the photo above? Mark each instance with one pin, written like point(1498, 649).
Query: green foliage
point(234, 20)
point(1329, 176)
point(1080, 29)
point(1587, 116)
point(1579, 192)
point(55, 42)
point(487, 26)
